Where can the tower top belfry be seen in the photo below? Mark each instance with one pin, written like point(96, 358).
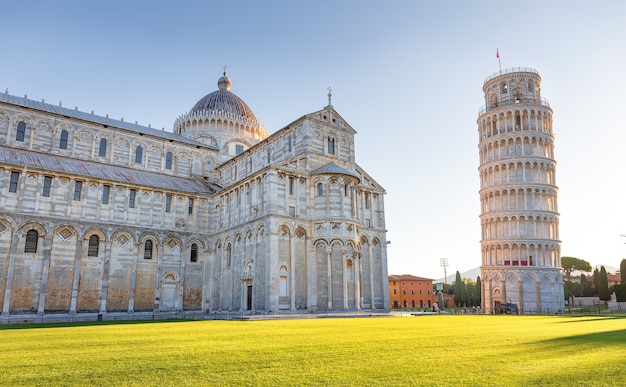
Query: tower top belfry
point(520, 85)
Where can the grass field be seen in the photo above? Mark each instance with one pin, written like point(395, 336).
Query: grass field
point(386, 351)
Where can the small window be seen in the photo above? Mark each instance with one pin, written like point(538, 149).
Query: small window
point(320, 189)
point(147, 250)
point(102, 152)
point(78, 187)
point(32, 238)
point(168, 202)
point(47, 183)
point(131, 198)
point(290, 146)
point(345, 190)
point(94, 245)
point(168, 160)
point(63, 142)
point(504, 88)
point(106, 190)
point(269, 155)
point(238, 149)
point(331, 146)
point(367, 200)
point(292, 211)
point(193, 253)
point(395, 291)
point(138, 154)
point(290, 188)
point(190, 206)
point(21, 131)
point(15, 178)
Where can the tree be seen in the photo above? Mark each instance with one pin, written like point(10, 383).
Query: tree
point(620, 290)
point(603, 285)
point(570, 264)
point(479, 289)
point(587, 290)
point(458, 289)
point(596, 281)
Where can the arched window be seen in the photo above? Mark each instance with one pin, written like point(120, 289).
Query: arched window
point(94, 245)
point(193, 253)
point(147, 250)
point(138, 154)
point(21, 131)
point(102, 152)
point(63, 142)
point(227, 254)
point(168, 160)
point(331, 146)
point(320, 189)
point(283, 285)
point(32, 237)
point(504, 88)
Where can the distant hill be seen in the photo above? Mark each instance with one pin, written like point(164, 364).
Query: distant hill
point(471, 274)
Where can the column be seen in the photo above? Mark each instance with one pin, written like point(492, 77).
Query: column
point(47, 246)
point(76, 278)
point(9, 284)
point(329, 277)
point(105, 277)
point(133, 280)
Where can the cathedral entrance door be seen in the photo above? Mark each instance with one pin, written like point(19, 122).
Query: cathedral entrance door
point(249, 297)
point(168, 295)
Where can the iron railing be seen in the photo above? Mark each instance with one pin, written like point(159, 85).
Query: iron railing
point(514, 101)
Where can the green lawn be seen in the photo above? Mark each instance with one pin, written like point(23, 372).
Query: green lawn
point(387, 351)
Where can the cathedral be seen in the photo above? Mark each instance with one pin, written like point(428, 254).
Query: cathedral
point(103, 218)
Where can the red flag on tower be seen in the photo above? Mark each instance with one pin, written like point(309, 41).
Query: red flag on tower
point(498, 56)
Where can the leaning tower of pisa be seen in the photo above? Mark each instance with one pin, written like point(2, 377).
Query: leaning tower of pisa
point(520, 246)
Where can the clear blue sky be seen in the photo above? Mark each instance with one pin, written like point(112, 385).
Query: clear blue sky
point(407, 75)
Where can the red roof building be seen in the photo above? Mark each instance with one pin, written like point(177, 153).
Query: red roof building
point(409, 291)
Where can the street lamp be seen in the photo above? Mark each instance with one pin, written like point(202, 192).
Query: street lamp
point(444, 262)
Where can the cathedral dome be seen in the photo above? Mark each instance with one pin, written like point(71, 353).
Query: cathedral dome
point(223, 100)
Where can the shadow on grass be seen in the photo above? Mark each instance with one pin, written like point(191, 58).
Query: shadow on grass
point(609, 338)
point(585, 318)
point(87, 324)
